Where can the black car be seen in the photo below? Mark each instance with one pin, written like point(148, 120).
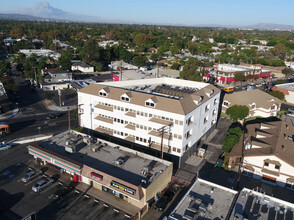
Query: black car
point(53, 116)
point(164, 200)
point(61, 192)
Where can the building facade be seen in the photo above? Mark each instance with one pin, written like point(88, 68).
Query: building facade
point(134, 177)
point(165, 114)
point(81, 66)
point(225, 73)
point(268, 153)
point(259, 103)
point(287, 89)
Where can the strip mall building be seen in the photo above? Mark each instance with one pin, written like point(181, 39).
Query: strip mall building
point(134, 177)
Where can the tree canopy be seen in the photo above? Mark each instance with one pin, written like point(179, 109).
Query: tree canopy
point(238, 112)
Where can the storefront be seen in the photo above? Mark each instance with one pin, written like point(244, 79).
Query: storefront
point(45, 157)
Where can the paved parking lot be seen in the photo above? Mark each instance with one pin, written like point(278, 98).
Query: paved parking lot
point(17, 199)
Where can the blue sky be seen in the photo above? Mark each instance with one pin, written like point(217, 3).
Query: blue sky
point(185, 12)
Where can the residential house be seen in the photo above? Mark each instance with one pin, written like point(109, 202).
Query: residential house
point(259, 103)
point(54, 80)
point(268, 153)
point(287, 89)
point(82, 66)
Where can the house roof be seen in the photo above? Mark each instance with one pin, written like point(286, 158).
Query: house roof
point(279, 144)
point(179, 105)
point(81, 64)
point(260, 98)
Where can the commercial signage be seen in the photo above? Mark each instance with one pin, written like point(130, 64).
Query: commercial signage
point(96, 176)
point(115, 78)
point(123, 187)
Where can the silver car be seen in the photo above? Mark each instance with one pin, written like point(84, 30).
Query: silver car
point(42, 184)
point(30, 175)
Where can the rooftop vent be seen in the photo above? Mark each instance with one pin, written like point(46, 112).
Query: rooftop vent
point(145, 170)
point(119, 162)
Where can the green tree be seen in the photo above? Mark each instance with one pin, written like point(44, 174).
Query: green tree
point(154, 57)
point(97, 66)
point(229, 142)
point(190, 70)
point(4, 67)
point(139, 61)
point(175, 66)
point(280, 50)
point(65, 60)
point(239, 76)
point(238, 112)
point(278, 95)
point(287, 71)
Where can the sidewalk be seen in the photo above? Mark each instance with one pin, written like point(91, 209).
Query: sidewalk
point(10, 114)
point(50, 105)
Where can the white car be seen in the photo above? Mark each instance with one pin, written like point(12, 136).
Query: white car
point(5, 146)
point(42, 184)
point(290, 109)
point(291, 114)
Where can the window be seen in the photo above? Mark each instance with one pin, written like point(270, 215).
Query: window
point(277, 167)
point(226, 103)
point(266, 164)
point(207, 107)
point(273, 107)
point(253, 106)
point(179, 150)
point(205, 119)
point(127, 99)
point(102, 94)
point(150, 104)
point(215, 101)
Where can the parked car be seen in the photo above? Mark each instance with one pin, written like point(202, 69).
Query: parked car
point(291, 114)
point(164, 200)
point(62, 192)
point(53, 116)
point(5, 146)
point(42, 184)
point(31, 175)
point(290, 109)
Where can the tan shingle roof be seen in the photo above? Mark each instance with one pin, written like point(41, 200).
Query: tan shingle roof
point(260, 98)
point(182, 106)
point(280, 144)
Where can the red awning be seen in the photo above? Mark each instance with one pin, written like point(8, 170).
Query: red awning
point(231, 79)
point(264, 74)
point(96, 175)
point(207, 75)
point(222, 78)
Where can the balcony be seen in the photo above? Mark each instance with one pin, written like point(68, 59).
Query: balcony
point(107, 120)
point(131, 139)
point(160, 121)
point(158, 147)
point(102, 130)
point(104, 107)
point(131, 114)
point(158, 134)
point(132, 127)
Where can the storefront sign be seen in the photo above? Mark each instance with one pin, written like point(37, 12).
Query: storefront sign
point(123, 187)
point(96, 176)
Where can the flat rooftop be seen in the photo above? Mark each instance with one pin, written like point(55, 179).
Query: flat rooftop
point(167, 87)
point(205, 200)
point(234, 68)
point(255, 205)
point(123, 163)
point(287, 86)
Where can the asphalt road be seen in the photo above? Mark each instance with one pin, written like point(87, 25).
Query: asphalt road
point(31, 119)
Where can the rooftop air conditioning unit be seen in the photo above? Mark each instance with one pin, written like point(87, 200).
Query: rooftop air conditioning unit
point(119, 162)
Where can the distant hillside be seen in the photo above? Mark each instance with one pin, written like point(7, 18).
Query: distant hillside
point(19, 17)
point(269, 26)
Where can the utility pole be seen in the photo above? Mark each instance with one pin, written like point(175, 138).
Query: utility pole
point(35, 76)
point(68, 112)
point(162, 133)
point(59, 94)
point(80, 112)
point(121, 70)
point(157, 69)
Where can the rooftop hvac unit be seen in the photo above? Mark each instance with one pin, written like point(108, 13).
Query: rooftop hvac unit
point(119, 162)
point(70, 149)
point(145, 170)
point(95, 148)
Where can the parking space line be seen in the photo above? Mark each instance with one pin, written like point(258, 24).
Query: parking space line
point(83, 207)
point(93, 212)
point(67, 196)
point(107, 213)
point(48, 188)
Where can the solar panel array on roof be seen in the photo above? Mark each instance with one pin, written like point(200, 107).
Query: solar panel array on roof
point(248, 205)
point(173, 91)
point(289, 215)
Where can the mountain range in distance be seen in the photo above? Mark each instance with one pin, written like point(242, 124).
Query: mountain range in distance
point(43, 11)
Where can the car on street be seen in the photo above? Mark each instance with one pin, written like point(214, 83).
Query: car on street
point(42, 184)
point(53, 116)
point(164, 200)
point(5, 146)
point(59, 193)
point(290, 114)
point(31, 175)
point(290, 109)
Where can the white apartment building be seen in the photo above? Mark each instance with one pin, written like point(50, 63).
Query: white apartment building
point(138, 110)
point(81, 66)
